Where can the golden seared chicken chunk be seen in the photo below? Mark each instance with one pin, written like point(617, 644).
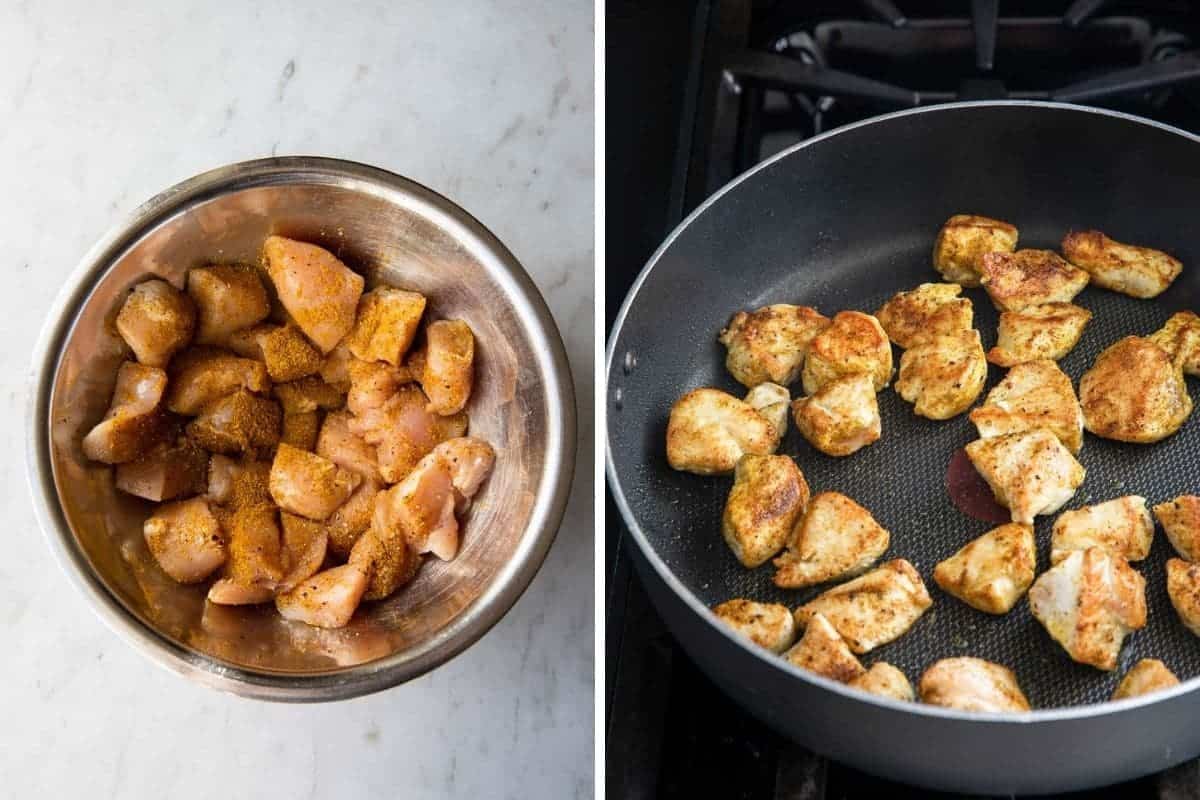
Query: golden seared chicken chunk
point(344, 447)
point(885, 680)
point(1122, 526)
point(873, 609)
point(185, 539)
point(822, 650)
point(1183, 587)
point(134, 422)
point(971, 684)
point(853, 342)
point(1145, 677)
point(1134, 393)
point(228, 297)
point(1180, 518)
point(770, 344)
point(172, 468)
point(1180, 337)
point(943, 375)
point(237, 423)
point(1047, 331)
point(204, 374)
point(771, 400)
point(403, 430)
point(768, 625)
point(156, 321)
point(963, 240)
point(1089, 602)
point(448, 365)
point(319, 292)
point(309, 485)
point(238, 484)
point(1030, 473)
point(709, 431)
point(1135, 271)
point(1036, 394)
point(991, 573)
point(305, 543)
point(841, 417)
point(386, 325)
point(932, 309)
point(327, 599)
point(288, 355)
point(1016, 281)
point(384, 552)
point(835, 538)
point(300, 430)
point(768, 496)
point(308, 394)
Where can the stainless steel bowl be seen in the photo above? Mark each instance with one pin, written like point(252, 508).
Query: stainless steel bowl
point(395, 232)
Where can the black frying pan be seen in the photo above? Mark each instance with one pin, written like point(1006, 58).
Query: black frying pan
point(843, 221)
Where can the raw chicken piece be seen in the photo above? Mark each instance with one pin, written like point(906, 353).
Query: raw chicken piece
point(1122, 526)
point(873, 609)
point(447, 369)
point(327, 599)
point(853, 342)
point(768, 625)
point(255, 548)
point(769, 494)
point(943, 375)
point(317, 289)
point(1180, 337)
point(1135, 271)
point(386, 325)
point(403, 431)
point(172, 468)
point(237, 423)
point(470, 462)
point(246, 341)
point(185, 540)
point(1134, 393)
point(204, 374)
point(304, 546)
point(841, 417)
point(309, 485)
point(972, 684)
point(1183, 587)
point(1089, 602)
point(770, 344)
point(1033, 395)
point(308, 394)
point(771, 400)
point(836, 538)
point(1047, 331)
point(342, 446)
point(372, 383)
point(287, 354)
point(1030, 473)
point(1146, 676)
point(134, 423)
point(238, 484)
point(709, 431)
point(384, 552)
point(227, 592)
point(156, 320)
point(932, 309)
point(1016, 281)
point(336, 367)
point(352, 518)
point(228, 297)
point(1180, 518)
point(300, 430)
point(963, 240)
point(823, 651)
point(885, 680)
point(991, 573)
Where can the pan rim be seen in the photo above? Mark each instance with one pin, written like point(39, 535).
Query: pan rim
point(1063, 714)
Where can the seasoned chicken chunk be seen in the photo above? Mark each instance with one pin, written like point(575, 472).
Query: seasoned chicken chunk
point(300, 430)
point(963, 240)
point(204, 374)
point(991, 573)
point(709, 431)
point(1122, 526)
point(403, 430)
point(173, 467)
point(185, 539)
point(971, 684)
point(1134, 393)
point(336, 367)
point(327, 599)
point(853, 342)
point(822, 650)
point(342, 446)
point(308, 394)
point(1089, 602)
point(1047, 331)
point(770, 344)
point(769, 493)
point(1016, 281)
point(386, 325)
point(238, 484)
point(943, 375)
point(288, 354)
point(841, 417)
point(1146, 676)
point(309, 485)
point(156, 321)
point(1036, 394)
point(372, 383)
point(1135, 271)
point(835, 538)
point(1180, 337)
point(318, 291)
point(134, 423)
point(447, 369)
point(305, 543)
point(1030, 473)
point(227, 592)
point(885, 680)
point(237, 423)
point(768, 625)
point(256, 558)
point(1180, 519)
point(932, 309)
point(384, 552)
point(352, 518)
point(873, 609)
point(771, 400)
point(1183, 587)
point(228, 297)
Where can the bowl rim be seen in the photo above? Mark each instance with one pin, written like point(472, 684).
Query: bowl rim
point(475, 620)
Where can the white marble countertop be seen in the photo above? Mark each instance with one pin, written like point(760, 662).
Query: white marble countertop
point(487, 102)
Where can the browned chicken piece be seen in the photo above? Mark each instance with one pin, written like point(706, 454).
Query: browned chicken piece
point(185, 539)
point(170, 469)
point(448, 366)
point(972, 684)
point(203, 374)
point(1134, 393)
point(309, 485)
point(887, 681)
point(768, 625)
point(1089, 602)
point(709, 431)
point(308, 394)
point(327, 599)
point(769, 493)
point(1180, 519)
point(964, 240)
point(384, 552)
point(1145, 677)
point(1135, 271)
point(238, 484)
point(352, 518)
point(288, 355)
point(1183, 587)
point(993, 572)
point(317, 289)
point(228, 297)
point(822, 650)
point(932, 309)
point(237, 423)
point(344, 447)
point(943, 375)
point(835, 538)
point(873, 609)
point(386, 325)
point(335, 369)
point(1047, 331)
point(256, 558)
point(1036, 394)
point(304, 545)
point(134, 422)
point(1180, 337)
point(300, 430)
point(771, 400)
point(403, 430)
point(156, 321)
point(853, 342)
point(1122, 526)
point(770, 344)
point(1030, 473)
point(372, 383)
point(1016, 281)
point(841, 417)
